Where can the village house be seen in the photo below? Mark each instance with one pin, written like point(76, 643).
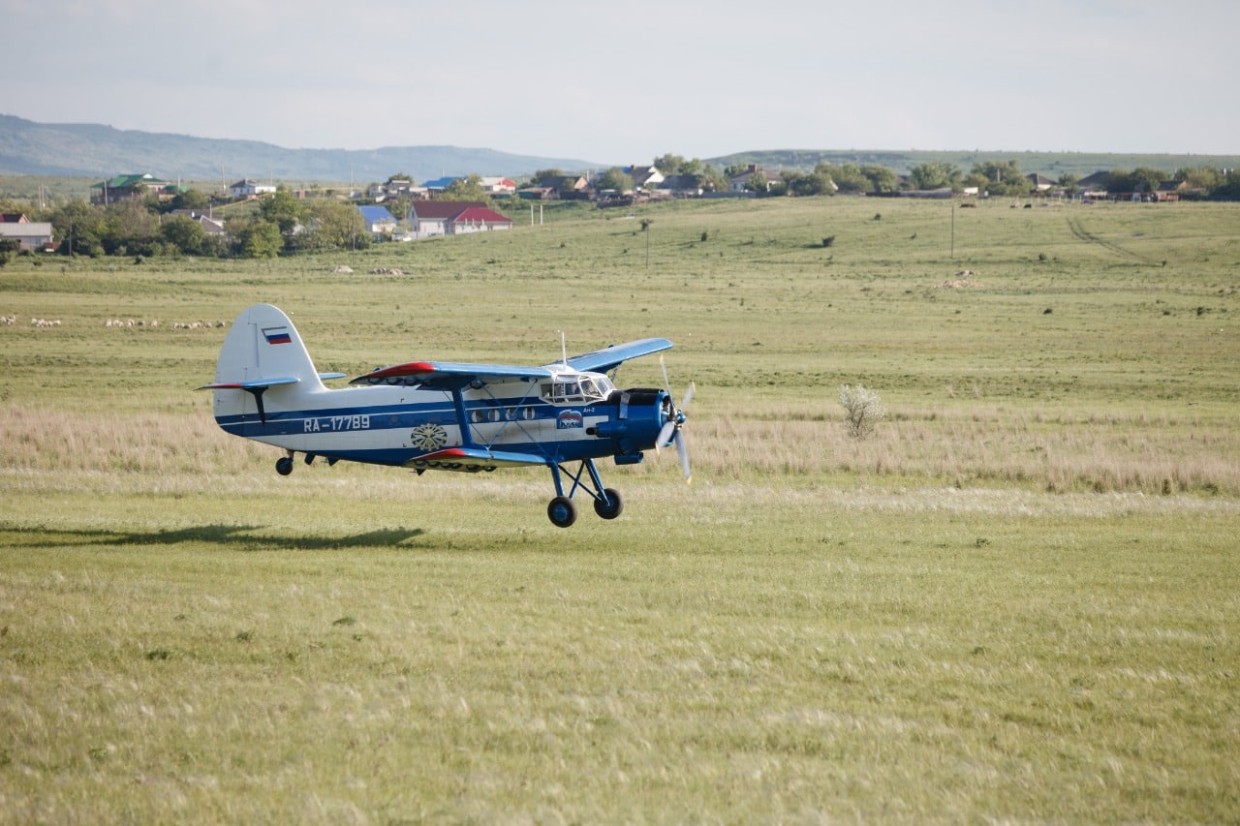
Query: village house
point(394, 187)
point(380, 223)
point(1039, 183)
point(740, 183)
point(644, 177)
point(131, 186)
point(29, 235)
point(213, 227)
point(1094, 186)
point(247, 188)
point(498, 186)
point(438, 185)
point(1170, 191)
point(431, 218)
point(680, 186)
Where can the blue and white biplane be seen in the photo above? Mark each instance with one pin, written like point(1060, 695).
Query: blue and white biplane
point(435, 415)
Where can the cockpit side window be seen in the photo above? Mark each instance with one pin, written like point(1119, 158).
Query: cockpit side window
point(577, 389)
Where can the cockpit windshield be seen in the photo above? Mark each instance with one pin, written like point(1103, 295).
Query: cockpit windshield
point(577, 388)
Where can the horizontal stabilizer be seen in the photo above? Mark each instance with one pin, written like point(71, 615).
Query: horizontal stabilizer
point(254, 384)
point(473, 459)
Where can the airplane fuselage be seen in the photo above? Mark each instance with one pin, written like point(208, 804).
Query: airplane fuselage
point(394, 425)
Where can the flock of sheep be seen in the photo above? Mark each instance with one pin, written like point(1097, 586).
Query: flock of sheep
point(46, 323)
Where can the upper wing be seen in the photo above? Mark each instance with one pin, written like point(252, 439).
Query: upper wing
point(602, 361)
point(447, 375)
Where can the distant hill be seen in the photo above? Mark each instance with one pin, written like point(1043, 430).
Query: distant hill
point(96, 152)
point(92, 150)
point(1050, 164)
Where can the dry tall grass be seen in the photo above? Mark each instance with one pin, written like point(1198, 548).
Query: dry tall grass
point(958, 446)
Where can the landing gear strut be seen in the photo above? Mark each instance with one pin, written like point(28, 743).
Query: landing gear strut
point(561, 510)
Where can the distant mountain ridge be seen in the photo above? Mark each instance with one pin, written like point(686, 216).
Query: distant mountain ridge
point(93, 150)
point(97, 151)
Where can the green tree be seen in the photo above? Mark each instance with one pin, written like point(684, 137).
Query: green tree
point(1145, 179)
point(617, 179)
point(184, 234)
point(976, 179)
point(1002, 177)
point(818, 182)
point(191, 198)
point(334, 225)
point(547, 177)
point(8, 248)
point(283, 209)
point(467, 189)
point(259, 238)
point(712, 179)
point(1229, 188)
point(79, 226)
point(670, 164)
point(847, 178)
point(936, 175)
point(1200, 177)
point(129, 228)
point(881, 178)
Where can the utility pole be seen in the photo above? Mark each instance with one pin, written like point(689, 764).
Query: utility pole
point(953, 253)
point(647, 247)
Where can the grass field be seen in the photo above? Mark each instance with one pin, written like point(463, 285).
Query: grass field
point(1016, 601)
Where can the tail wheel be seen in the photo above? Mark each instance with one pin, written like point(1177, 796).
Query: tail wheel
point(613, 505)
point(562, 512)
point(284, 465)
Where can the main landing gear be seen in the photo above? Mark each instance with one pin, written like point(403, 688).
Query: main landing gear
point(561, 510)
point(284, 465)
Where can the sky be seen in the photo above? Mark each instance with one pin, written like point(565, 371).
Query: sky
point(625, 82)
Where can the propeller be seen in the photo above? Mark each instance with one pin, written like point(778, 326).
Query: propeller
point(671, 430)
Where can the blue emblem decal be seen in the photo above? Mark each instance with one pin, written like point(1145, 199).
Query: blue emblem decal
point(568, 419)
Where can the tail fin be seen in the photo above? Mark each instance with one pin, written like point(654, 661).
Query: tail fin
point(262, 350)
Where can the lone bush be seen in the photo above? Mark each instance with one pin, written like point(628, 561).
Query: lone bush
point(862, 410)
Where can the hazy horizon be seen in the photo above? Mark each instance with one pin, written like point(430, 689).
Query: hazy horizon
point(612, 86)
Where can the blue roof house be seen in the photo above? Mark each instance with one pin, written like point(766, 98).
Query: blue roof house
point(379, 222)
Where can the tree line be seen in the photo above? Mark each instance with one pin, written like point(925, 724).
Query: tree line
point(283, 224)
point(1001, 178)
point(280, 224)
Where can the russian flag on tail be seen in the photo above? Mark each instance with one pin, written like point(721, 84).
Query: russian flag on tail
point(277, 335)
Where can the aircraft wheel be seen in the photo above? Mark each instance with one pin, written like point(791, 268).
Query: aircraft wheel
point(284, 465)
point(562, 512)
point(612, 507)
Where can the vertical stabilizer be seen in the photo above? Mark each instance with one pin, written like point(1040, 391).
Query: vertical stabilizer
point(262, 351)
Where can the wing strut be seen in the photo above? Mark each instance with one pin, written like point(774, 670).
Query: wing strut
point(458, 401)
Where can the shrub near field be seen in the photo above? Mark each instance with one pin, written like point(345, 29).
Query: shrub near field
point(1014, 600)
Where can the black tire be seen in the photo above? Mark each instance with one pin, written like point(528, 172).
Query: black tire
point(284, 465)
point(612, 507)
point(562, 512)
